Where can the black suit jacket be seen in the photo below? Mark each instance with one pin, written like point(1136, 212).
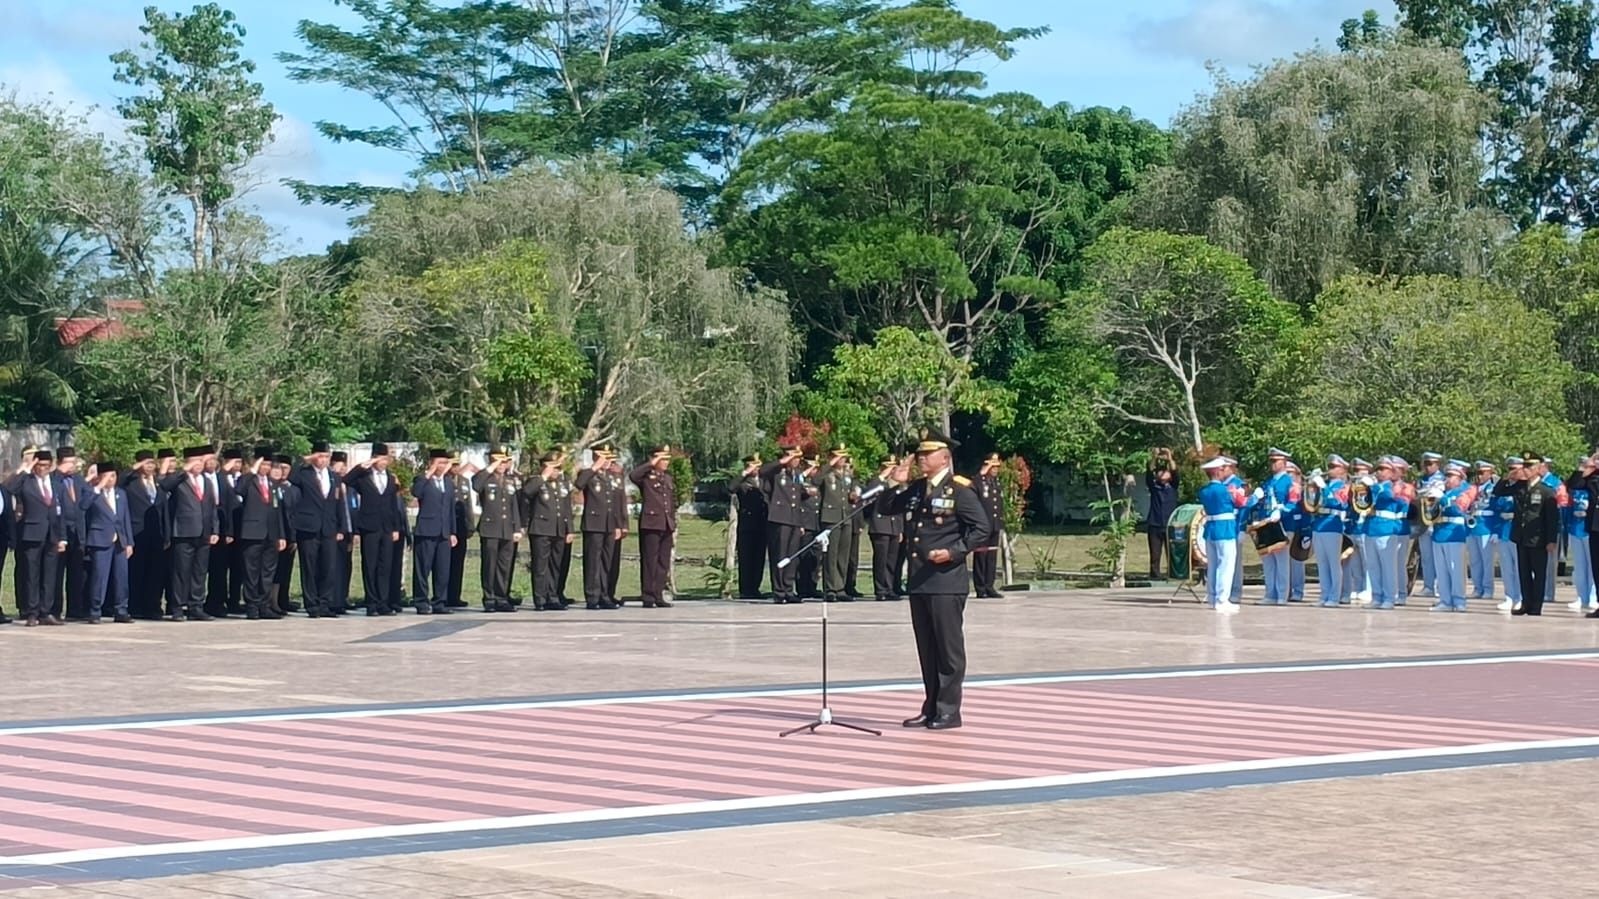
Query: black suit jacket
point(437, 508)
point(377, 511)
point(604, 502)
point(311, 512)
point(38, 521)
point(144, 505)
point(189, 517)
point(546, 501)
point(259, 519)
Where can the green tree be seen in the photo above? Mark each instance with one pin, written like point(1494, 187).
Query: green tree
point(1535, 58)
point(111, 436)
point(1427, 363)
point(1060, 390)
point(200, 116)
point(1330, 164)
point(1190, 324)
point(909, 380)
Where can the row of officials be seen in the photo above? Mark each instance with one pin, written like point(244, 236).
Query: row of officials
point(785, 503)
point(217, 534)
point(1360, 521)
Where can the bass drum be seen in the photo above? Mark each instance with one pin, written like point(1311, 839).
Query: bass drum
point(1185, 542)
point(1302, 548)
point(1270, 538)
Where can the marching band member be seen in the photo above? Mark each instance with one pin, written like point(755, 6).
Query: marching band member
point(1327, 532)
point(1358, 569)
point(1222, 500)
point(1296, 523)
point(1449, 537)
point(1479, 536)
point(1580, 489)
point(1236, 595)
point(1383, 535)
point(1503, 507)
point(1404, 488)
point(1432, 478)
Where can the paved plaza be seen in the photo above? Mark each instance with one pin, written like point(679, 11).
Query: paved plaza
point(1117, 744)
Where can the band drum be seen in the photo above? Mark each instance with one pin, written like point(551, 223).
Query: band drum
point(1185, 542)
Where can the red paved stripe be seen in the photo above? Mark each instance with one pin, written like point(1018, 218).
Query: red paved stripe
point(142, 786)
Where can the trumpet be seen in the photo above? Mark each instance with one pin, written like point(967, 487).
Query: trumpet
point(1479, 505)
point(1361, 500)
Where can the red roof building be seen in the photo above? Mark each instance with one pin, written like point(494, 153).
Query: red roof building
point(77, 330)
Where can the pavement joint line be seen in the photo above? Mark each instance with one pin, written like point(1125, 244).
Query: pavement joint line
point(977, 683)
point(834, 799)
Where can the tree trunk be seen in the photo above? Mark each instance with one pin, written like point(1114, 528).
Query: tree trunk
point(730, 565)
point(1193, 418)
point(200, 230)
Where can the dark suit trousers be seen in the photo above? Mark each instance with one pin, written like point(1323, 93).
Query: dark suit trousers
point(71, 586)
point(317, 569)
point(1534, 564)
point(397, 575)
point(190, 560)
point(547, 552)
point(260, 562)
point(457, 569)
point(937, 620)
point(655, 563)
point(885, 565)
point(786, 539)
point(835, 562)
point(144, 577)
point(566, 567)
point(810, 566)
point(283, 577)
point(751, 548)
point(985, 565)
point(597, 551)
point(852, 570)
point(343, 570)
point(36, 573)
point(377, 561)
point(108, 579)
point(216, 591)
point(15, 592)
point(431, 574)
point(499, 559)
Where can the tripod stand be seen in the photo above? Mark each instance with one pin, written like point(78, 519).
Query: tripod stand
point(825, 716)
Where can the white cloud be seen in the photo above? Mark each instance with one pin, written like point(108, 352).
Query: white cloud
point(1246, 32)
point(46, 83)
point(71, 27)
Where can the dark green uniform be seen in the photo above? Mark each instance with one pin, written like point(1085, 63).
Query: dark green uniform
point(945, 515)
point(886, 529)
point(657, 530)
point(604, 516)
point(499, 526)
point(548, 526)
point(1535, 528)
point(785, 520)
point(836, 495)
point(985, 561)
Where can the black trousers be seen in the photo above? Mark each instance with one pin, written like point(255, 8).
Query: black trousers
point(146, 572)
point(4, 549)
point(431, 571)
point(785, 539)
point(852, 570)
point(377, 567)
point(283, 577)
point(835, 562)
point(343, 571)
point(599, 554)
point(806, 579)
point(885, 565)
point(938, 622)
point(259, 559)
point(397, 575)
point(216, 585)
point(499, 560)
point(457, 569)
point(751, 546)
point(36, 574)
point(1157, 550)
point(547, 553)
point(566, 569)
point(985, 567)
point(72, 585)
point(191, 561)
point(655, 564)
point(317, 569)
point(1534, 564)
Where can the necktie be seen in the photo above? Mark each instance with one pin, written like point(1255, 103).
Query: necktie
point(260, 482)
point(199, 488)
point(322, 479)
point(44, 488)
point(72, 491)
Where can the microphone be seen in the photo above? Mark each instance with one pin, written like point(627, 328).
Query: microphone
point(871, 493)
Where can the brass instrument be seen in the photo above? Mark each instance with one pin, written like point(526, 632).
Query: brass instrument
point(1315, 488)
point(1479, 505)
point(1432, 506)
point(1361, 500)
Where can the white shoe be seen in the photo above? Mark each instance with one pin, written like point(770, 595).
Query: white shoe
point(1575, 605)
point(1505, 606)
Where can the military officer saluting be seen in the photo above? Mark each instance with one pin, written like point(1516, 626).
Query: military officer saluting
point(1535, 529)
point(946, 522)
point(750, 495)
point(604, 525)
point(657, 526)
point(886, 529)
point(837, 495)
point(985, 562)
point(785, 487)
point(550, 530)
point(499, 526)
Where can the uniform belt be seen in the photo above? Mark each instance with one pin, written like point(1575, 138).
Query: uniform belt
point(1331, 513)
point(1508, 516)
point(1222, 516)
point(1395, 516)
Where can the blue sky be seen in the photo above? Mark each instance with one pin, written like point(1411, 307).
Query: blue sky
point(1147, 55)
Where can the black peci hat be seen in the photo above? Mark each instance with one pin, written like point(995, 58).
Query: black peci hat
point(143, 456)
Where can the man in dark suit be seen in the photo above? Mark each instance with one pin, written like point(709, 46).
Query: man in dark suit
point(784, 487)
point(71, 587)
point(192, 522)
point(8, 523)
point(500, 527)
point(549, 528)
point(260, 535)
point(315, 515)
point(946, 523)
point(751, 540)
point(604, 525)
point(377, 527)
point(434, 537)
point(657, 526)
point(1535, 529)
point(886, 529)
point(108, 535)
point(346, 540)
point(283, 575)
point(460, 478)
point(40, 536)
point(224, 593)
point(985, 561)
point(144, 512)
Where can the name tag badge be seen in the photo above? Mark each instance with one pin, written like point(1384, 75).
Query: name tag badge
point(943, 504)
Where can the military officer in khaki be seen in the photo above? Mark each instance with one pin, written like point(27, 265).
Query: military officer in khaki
point(837, 494)
point(945, 523)
point(604, 525)
point(657, 526)
point(549, 528)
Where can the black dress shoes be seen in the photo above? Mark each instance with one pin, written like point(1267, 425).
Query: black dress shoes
point(123, 618)
point(918, 721)
point(944, 722)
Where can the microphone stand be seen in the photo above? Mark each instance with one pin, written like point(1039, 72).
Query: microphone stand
point(825, 716)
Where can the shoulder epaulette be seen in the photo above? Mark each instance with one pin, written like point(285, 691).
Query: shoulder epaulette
point(963, 480)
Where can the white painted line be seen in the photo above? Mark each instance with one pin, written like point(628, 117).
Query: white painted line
point(235, 844)
point(758, 692)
